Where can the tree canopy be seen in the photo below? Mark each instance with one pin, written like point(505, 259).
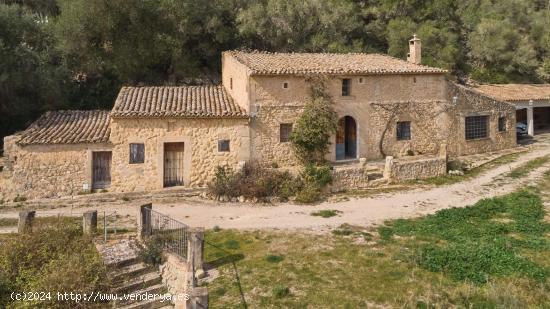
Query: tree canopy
point(75, 54)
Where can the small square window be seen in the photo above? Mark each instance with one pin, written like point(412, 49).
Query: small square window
point(285, 129)
point(346, 89)
point(502, 124)
point(403, 130)
point(360, 80)
point(137, 153)
point(476, 127)
point(285, 85)
point(223, 145)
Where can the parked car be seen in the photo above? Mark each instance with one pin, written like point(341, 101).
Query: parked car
point(521, 129)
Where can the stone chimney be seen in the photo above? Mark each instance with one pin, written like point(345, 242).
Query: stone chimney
point(415, 51)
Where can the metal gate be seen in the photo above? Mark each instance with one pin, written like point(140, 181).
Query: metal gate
point(173, 164)
point(101, 169)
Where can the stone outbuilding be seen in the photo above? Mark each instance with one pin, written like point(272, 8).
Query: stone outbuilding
point(532, 102)
point(176, 136)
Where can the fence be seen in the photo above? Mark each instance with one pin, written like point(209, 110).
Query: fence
point(171, 233)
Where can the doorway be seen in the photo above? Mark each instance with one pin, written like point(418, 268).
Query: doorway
point(346, 139)
point(173, 164)
point(101, 169)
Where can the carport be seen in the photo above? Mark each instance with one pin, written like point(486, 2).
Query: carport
point(532, 103)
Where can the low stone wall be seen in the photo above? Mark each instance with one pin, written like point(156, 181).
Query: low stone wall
point(176, 276)
point(349, 177)
point(401, 170)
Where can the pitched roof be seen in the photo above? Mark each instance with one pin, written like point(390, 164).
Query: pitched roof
point(180, 101)
point(516, 92)
point(68, 127)
point(265, 63)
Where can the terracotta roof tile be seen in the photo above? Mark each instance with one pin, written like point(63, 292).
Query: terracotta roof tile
point(180, 101)
point(516, 92)
point(265, 63)
point(68, 127)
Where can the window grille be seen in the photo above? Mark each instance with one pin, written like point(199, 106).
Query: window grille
point(137, 153)
point(285, 129)
point(403, 130)
point(476, 127)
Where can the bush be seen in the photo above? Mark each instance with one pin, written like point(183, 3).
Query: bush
point(272, 258)
point(315, 179)
point(253, 181)
point(280, 291)
point(456, 165)
point(19, 199)
point(150, 252)
point(58, 258)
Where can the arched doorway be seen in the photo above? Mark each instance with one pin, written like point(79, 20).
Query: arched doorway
point(346, 139)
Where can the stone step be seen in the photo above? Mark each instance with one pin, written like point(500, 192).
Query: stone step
point(119, 264)
point(131, 270)
point(148, 304)
point(140, 282)
point(154, 289)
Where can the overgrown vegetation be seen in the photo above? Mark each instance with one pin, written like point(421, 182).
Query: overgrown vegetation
point(254, 181)
point(55, 258)
point(494, 254)
point(150, 251)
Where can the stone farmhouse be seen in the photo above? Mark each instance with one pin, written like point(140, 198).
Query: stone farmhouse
point(159, 137)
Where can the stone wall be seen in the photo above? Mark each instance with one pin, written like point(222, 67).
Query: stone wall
point(235, 80)
point(201, 156)
point(39, 171)
point(348, 177)
point(410, 169)
point(468, 102)
point(376, 104)
point(176, 276)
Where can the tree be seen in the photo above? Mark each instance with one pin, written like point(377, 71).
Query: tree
point(33, 78)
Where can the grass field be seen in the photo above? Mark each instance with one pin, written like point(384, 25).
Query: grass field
point(495, 253)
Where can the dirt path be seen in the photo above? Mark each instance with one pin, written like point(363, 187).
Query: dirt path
point(360, 211)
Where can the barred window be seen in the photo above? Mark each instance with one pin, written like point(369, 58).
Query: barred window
point(501, 124)
point(476, 127)
point(285, 129)
point(223, 145)
point(137, 153)
point(346, 91)
point(403, 130)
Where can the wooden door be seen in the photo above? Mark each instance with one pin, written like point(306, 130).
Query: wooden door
point(173, 164)
point(101, 169)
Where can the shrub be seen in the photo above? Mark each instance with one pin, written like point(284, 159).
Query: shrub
point(456, 165)
point(150, 252)
point(280, 291)
point(58, 258)
point(125, 199)
point(315, 179)
point(253, 181)
point(273, 258)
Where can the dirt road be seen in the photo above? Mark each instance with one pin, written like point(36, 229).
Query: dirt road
point(356, 211)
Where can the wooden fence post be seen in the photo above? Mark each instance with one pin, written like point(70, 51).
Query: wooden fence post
point(26, 219)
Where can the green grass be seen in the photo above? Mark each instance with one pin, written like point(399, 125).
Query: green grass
point(327, 213)
point(468, 174)
point(528, 167)
point(494, 254)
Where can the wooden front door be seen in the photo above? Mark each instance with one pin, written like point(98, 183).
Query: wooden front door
point(101, 169)
point(173, 164)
